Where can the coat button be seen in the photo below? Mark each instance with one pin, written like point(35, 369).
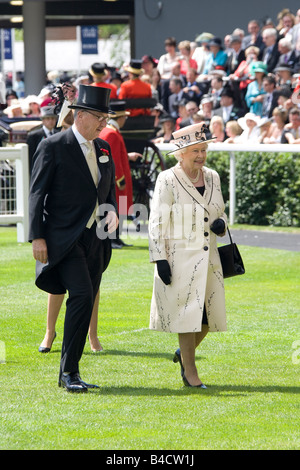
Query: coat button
point(205, 248)
point(206, 234)
point(205, 219)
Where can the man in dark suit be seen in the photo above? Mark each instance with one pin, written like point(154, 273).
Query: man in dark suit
point(72, 184)
point(177, 95)
point(228, 109)
point(254, 38)
point(236, 55)
point(49, 119)
point(271, 54)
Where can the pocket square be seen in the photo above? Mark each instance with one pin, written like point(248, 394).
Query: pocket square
point(103, 159)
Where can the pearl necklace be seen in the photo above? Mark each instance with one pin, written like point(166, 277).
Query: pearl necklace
point(194, 180)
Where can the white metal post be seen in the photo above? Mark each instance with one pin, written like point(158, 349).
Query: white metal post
point(232, 200)
point(22, 190)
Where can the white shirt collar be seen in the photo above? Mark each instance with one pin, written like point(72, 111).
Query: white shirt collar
point(81, 140)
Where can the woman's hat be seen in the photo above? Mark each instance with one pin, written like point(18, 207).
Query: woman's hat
point(190, 135)
point(93, 98)
point(118, 108)
point(248, 117)
point(259, 67)
point(204, 37)
point(135, 67)
point(215, 42)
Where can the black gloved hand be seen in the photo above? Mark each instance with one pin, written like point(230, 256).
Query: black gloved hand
point(164, 271)
point(218, 226)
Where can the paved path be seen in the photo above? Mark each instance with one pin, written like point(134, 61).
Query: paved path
point(276, 240)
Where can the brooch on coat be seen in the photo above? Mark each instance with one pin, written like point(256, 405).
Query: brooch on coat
point(104, 157)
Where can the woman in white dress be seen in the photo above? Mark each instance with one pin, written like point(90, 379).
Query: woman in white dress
point(187, 212)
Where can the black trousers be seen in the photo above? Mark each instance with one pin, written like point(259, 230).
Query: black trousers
point(80, 272)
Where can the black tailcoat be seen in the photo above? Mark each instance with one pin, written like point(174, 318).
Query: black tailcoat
point(62, 199)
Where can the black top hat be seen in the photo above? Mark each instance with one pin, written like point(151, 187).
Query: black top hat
point(118, 108)
point(135, 67)
point(93, 98)
point(227, 92)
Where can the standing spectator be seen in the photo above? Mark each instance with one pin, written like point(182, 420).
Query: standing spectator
point(271, 96)
point(288, 55)
point(228, 110)
point(191, 108)
point(255, 91)
point(165, 66)
point(216, 57)
point(177, 94)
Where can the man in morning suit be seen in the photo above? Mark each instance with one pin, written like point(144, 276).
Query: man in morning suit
point(72, 181)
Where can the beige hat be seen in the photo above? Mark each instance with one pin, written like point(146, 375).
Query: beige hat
point(248, 117)
point(190, 135)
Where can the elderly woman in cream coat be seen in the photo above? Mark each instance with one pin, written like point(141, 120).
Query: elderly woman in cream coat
point(187, 213)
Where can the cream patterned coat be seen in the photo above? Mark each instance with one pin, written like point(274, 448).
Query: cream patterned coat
point(179, 231)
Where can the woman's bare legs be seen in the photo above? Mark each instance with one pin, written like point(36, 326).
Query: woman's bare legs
point(93, 338)
point(188, 343)
point(54, 306)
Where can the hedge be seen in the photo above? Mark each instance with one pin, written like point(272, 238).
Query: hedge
point(267, 186)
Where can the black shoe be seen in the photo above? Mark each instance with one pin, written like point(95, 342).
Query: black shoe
point(85, 384)
point(72, 383)
point(187, 384)
point(42, 349)
point(116, 244)
point(177, 358)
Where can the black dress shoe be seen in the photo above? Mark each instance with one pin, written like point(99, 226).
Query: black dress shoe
point(42, 349)
point(85, 384)
point(72, 383)
point(187, 384)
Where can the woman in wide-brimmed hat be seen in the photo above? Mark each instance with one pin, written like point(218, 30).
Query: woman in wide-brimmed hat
point(187, 213)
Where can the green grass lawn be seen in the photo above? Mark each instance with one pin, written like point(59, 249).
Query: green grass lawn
point(252, 399)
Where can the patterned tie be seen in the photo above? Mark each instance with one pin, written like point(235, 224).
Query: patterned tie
point(91, 161)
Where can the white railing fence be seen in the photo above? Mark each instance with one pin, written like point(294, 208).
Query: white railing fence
point(232, 149)
point(14, 188)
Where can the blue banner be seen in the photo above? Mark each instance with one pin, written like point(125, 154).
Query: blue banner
point(7, 44)
point(89, 39)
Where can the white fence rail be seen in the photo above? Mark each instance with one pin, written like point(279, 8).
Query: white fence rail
point(231, 149)
point(14, 188)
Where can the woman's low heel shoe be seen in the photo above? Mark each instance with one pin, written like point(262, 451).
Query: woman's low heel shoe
point(187, 384)
point(43, 349)
point(177, 358)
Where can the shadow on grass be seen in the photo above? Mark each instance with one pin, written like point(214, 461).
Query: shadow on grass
point(212, 390)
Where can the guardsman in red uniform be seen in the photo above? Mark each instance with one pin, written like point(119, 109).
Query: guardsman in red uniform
point(98, 72)
point(135, 87)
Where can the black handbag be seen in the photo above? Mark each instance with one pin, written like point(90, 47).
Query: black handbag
point(231, 260)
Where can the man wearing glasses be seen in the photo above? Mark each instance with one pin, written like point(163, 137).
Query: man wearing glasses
point(73, 180)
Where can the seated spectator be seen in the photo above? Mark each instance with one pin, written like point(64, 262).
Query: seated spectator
point(202, 50)
point(251, 131)
point(284, 75)
point(255, 91)
point(228, 110)
point(191, 108)
point(264, 126)
point(291, 132)
point(254, 37)
point(284, 100)
point(206, 108)
point(287, 22)
point(192, 87)
point(236, 54)
point(168, 127)
point(271, 97)
point(216, 128)
point(149, 64)
point(244, 71)
point(32, 103)
point(271, 54)
point(216, 88)
point(277, 126)
point(233, 131)
point(15, 110)
point(217, 56)
point(185, 59)
point(177, 94)
point(288, 55)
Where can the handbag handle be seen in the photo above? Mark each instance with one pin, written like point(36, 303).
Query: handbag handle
point(229, 235)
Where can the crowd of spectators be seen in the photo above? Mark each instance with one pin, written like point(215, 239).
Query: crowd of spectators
point(245, 87)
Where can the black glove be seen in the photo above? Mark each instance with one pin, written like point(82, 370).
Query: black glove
point(218, 226)
point(164, 271)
